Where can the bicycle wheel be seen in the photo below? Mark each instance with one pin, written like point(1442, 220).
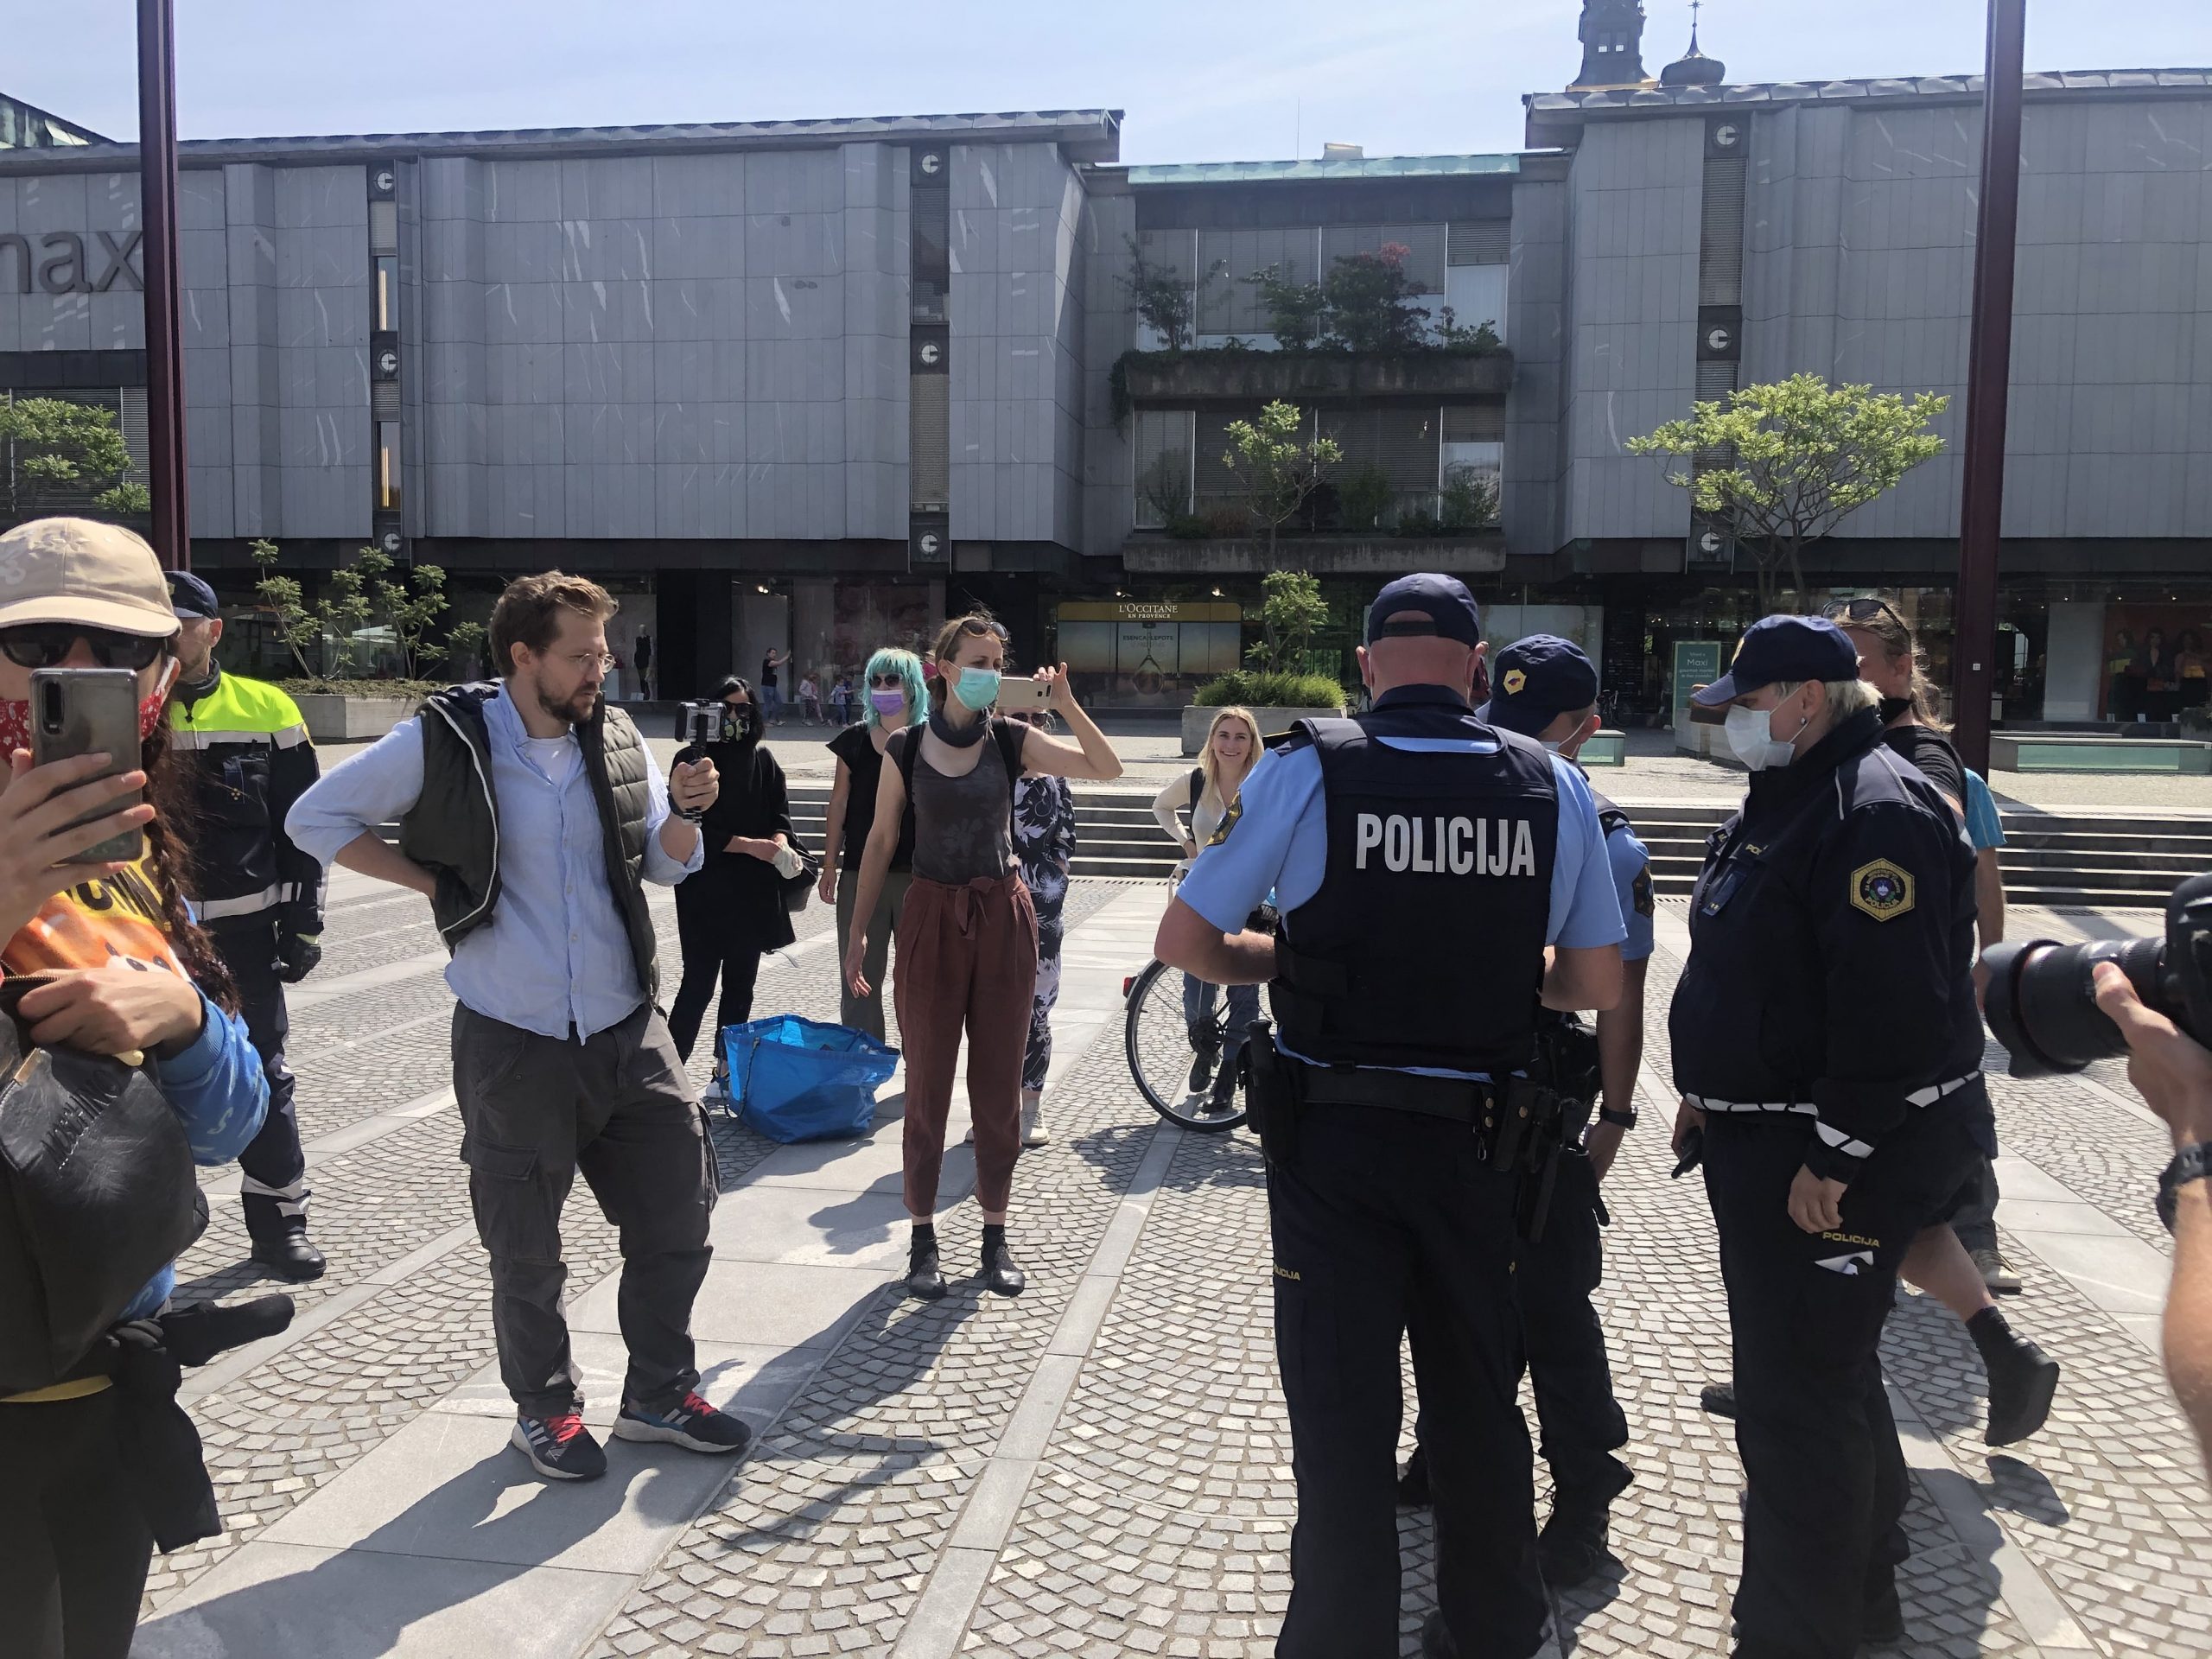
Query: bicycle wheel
point(1167, 1064)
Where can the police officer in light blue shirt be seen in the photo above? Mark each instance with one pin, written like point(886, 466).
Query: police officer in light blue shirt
point(1435, 877)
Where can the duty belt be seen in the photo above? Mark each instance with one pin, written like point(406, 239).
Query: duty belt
point(1460, 1099)
point(1927, 1096)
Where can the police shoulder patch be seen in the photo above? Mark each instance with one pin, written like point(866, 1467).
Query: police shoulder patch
point(1645, 904)
point(1228, 823)
point(1882, 890)
point(1515, 679)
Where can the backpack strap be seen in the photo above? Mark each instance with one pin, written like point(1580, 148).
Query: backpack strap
point(1197, 789)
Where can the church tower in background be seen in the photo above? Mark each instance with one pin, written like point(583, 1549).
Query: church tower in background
point(1612, 44)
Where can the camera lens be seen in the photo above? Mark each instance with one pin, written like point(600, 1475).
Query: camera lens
point(2042, 1000)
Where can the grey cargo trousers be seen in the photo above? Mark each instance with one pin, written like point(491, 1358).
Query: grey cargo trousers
point(536, 1110)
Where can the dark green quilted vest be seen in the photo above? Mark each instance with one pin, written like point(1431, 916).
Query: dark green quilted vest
point(453, 828)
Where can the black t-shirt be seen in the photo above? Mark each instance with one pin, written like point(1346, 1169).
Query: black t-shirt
point(852, 746)
point(767, 671)
point(1932, 752)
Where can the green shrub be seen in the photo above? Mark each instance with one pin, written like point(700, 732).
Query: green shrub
point(1259, 691)
point(1364, 496)
point(413, 690)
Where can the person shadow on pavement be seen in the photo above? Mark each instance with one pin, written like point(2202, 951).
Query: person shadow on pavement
point(488, 1525)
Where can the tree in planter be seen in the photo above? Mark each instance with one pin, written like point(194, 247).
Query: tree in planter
point(1363, 498)
point(1291, 608)
point(1276, 467)
point(1163, 297)
point(64, 452)
point(1297, 312)
point(363, 594)
point(1369, 298)
point(1469, 499)
point(1792, 459)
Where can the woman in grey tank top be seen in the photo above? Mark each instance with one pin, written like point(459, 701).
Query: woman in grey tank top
point(967, 935)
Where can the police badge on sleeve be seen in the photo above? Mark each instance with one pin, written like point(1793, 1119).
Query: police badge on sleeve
point(1882, 890)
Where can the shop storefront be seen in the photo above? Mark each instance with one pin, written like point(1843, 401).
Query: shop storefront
point(1136, 654)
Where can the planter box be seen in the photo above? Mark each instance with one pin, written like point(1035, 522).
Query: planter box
point(2027, 753)
point(334, 719)
point(1258, 377)
point(1196, 721)
point(1482, 553)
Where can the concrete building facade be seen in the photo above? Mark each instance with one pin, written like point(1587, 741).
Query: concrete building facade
point(807, 383)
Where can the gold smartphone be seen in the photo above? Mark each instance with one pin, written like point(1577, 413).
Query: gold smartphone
point(90, 711)
point(1024, 697)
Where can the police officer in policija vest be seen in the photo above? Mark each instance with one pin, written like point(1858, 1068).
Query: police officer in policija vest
point(1544, 687)
point(1829, 1051)
point(1422, 862)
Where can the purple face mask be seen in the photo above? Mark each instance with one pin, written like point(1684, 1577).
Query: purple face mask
point(888, 703)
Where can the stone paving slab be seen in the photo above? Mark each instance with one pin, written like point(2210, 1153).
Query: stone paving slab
point(1101, 1466)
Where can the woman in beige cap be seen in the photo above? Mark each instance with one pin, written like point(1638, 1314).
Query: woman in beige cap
point(122, 969)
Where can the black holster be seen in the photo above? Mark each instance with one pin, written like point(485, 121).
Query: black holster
point(1563, 1085)
point(1271, 1095)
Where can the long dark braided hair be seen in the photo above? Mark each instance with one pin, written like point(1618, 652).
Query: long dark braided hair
point(168, 845)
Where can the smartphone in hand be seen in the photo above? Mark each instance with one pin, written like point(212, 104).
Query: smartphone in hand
point(1024, 697)
point(86, 711)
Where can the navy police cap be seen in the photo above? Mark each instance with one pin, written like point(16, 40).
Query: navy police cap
point(1794, 648)
point(190, 597)
point(1446, 610)
point(1536, 680)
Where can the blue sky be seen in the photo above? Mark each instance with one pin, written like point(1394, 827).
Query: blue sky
point(1200, 79)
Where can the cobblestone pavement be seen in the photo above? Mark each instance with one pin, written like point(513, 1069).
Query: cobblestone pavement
point(1101, 1467)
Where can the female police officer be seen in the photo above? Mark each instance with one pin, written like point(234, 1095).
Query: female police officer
point(1827, 1048)
point(1391, 1185)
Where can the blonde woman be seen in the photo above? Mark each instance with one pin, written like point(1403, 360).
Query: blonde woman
point(1206, 798)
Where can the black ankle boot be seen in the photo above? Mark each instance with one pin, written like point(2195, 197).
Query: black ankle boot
point(2022, 1379)
point(922, 1278)
point(1001, 1275)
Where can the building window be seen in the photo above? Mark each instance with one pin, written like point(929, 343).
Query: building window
point(387, 291)
point(1163, 481)
point(387, 465)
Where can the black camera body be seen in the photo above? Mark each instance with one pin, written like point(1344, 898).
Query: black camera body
point(701, 723)
point(2042, 995)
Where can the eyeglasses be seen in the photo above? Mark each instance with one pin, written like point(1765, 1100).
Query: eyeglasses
point(1863, 610)
point(586, 660)
point(47, 645)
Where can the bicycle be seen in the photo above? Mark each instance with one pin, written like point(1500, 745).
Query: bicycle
point(1164, 1061)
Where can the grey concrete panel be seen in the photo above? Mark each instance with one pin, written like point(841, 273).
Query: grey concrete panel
point(200, 198)
point(712, 247)
point(687, 186)
point(698, 308)
point(115, 322)
point(794, 182)
point(452, 187)
point(518, 313)
point(870, 174)
point(608, 373)
point(875, 499)
point(202, 258)
point(527, 501)
point(696, 500)
point(707, 372)
point(325, 256)
point(607, 188)
point(597, 312)
point(605, 248)
point(57, 201)
point(609, 501)
point(793, 307)
point(526, 374)
point(454, 498)
point(523, 434)
point(211, 507)
point(207, 379)
point(699, 433)
point(328, 316)
point(521, 190)
point(317, 197)
point(613, 435)
point(794, 370)
point(527, 251)
point(794, 243)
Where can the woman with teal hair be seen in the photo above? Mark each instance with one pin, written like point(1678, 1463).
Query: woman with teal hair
point(896, 696)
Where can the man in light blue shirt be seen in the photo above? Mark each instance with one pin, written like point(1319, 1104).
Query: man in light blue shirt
point(530, 813)
point(1435, 877)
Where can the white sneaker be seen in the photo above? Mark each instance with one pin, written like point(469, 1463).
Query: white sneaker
point(1033, 1133)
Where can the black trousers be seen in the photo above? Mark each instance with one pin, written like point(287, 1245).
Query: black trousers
point(1824, 1476)
point(535, 1112)
point(275, 1193)
point(74, 1545)
point(1564, 1343)
point(1390, 1224)
point(705, 961)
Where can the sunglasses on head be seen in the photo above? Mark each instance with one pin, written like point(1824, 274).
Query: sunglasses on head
point(1863, 610)
point(47, 645)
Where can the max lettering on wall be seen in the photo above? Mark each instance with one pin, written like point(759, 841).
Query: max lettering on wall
point(1442, 846)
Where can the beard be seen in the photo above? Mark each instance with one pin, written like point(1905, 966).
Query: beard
point(577, 710)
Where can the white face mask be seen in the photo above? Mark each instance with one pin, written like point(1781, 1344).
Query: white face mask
point(1549, 748)
point(1750, 735)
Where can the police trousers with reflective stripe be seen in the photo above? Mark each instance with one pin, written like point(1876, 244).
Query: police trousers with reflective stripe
point(1390, 1224)
point(1824, 1477)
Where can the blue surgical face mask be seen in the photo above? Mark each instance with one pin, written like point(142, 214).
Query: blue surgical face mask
point(978, 688)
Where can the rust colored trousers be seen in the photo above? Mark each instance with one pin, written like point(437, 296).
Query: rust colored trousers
point(967, 959)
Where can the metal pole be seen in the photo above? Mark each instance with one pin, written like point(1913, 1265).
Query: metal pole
point(164, 341)
point(1989, 375)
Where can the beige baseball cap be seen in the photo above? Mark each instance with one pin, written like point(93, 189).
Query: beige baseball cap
point(77, 570)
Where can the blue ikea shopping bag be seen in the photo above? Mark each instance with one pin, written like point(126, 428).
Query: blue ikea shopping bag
point(795, 1080)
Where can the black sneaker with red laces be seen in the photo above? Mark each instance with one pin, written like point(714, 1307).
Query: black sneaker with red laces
point(691, 1423)
point(559, 1448)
